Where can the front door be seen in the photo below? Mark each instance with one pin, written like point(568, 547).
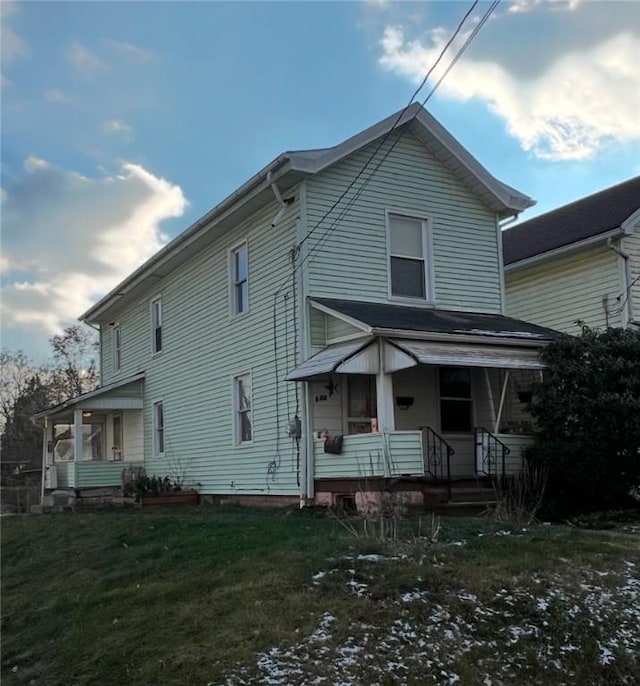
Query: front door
point(117, 437)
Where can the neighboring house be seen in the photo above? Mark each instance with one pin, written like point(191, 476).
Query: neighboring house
point(274, 322)
point(579, 262)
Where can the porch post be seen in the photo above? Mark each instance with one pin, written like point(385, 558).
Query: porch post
point(77, 443)
point(492, 405)
point(45, 441)
point(384, 395)
point(502, 397)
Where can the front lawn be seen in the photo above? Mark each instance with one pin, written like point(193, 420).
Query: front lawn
point(234, 596)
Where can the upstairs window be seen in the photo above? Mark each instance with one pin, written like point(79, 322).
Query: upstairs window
point(239, 273)
point(455, 400)
point(243, 409)
point(408, 257)
point(158, 428)
point(116, 345)
point(156, 325)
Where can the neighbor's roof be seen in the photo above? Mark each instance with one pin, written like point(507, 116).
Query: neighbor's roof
point(597, 214)
point(288, 169)
point(380, 318)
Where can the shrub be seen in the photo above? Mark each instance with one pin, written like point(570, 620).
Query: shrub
point(587, 411)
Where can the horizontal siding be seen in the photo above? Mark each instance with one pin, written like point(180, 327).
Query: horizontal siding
point(631, 245)
point(351, 261)
point(336, 328)
point(204, 347)
point(97, 474)
point(558, 292)
point(366, 456)
point(516, 445)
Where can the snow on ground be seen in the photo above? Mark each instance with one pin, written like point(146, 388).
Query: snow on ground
point(534, 621)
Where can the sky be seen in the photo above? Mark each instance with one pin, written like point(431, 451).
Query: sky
point(123, 122)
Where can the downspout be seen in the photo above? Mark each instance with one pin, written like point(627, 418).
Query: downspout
point(281, 202)
point(627, 278)
point(499, 228)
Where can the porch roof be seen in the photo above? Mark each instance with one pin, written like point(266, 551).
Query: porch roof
point(328, 359)
point(114, 396)
point(377, 318)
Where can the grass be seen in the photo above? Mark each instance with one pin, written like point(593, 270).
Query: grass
point(210, 596)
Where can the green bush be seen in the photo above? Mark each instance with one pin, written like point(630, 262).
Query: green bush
point(587, 411)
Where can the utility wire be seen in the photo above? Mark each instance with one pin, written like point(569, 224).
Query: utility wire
point(386, 135)
point(352, 200)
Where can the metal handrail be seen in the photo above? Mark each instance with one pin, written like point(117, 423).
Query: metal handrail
point(489, 444)
point(437, 449)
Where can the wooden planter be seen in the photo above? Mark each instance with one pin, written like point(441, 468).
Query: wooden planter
point(172, 498)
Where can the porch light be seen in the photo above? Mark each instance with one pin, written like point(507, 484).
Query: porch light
point(87, 414)
point(404, 402)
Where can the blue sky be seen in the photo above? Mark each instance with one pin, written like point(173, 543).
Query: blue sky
point(122, 123)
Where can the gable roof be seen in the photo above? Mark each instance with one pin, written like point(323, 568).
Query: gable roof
point(379, 318)
point(594, 216)
point(291, 167)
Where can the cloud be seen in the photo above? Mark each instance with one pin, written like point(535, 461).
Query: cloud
point(567, 112)
point(55, 95)
point(116, 126)
point(85, 61)
point(11, 44)
point(128, 51)
point(521, 6)
point(85, 235)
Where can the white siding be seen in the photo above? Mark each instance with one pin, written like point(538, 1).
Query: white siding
point(560, 291)
point(352, 262)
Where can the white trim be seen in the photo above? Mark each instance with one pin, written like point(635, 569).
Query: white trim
point(116, 359)
point(631, 222)
point(154, 429)
point(152, 324)
point(344, 339)
point(503, 294)
point(342, 317)
point(237, 440)
point(427, 255)
point(461, 338)
point(563, 249)
point(231, 280)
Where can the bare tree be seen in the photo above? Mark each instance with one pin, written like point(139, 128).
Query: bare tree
point(75, 368)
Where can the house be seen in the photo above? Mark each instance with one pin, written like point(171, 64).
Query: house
point(578, 262)
point(314, 338)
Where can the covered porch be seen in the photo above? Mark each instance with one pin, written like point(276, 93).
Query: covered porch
point(89, 440)
point(425, 406)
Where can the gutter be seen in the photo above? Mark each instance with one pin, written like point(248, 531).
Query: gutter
point(461, 338)
point(563, 249)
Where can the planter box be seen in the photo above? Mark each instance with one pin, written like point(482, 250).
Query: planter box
point(173, 498)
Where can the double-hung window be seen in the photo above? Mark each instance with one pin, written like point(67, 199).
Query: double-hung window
point(239, 273)
point(116, 346)
point(242, 401)
point(158, 428)
point(156, 325)
point(456, 408)
point(409, 267)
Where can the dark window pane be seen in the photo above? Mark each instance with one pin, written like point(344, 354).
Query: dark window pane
point(455, 382)
point(455, 416)
point(245, 426)
point(158, 339)
point(407, 277)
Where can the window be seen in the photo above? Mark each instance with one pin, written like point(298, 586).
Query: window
point(93, 436)
point(240, 279)
point(361, 403)
point(408, 252)
point(156, 325)
point(116, 342)
point(455, 400)
point(158, 428)
point(242, 409)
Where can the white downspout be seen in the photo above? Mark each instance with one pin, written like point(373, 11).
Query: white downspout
point(627, 279)
point(281, 202)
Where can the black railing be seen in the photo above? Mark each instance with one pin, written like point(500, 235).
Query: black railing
point(490, 453)
point(437, 456)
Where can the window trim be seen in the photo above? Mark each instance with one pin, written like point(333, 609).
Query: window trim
point(471, 399)
point(427, 256)
point(232, 283)
point(237, 428)
point(152, 311)
point(154, 427)
point(116, 351)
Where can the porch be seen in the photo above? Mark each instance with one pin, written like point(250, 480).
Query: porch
point(88, 441)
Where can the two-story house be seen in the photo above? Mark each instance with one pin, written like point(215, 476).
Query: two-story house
point(578, 263)
point(334, 326)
